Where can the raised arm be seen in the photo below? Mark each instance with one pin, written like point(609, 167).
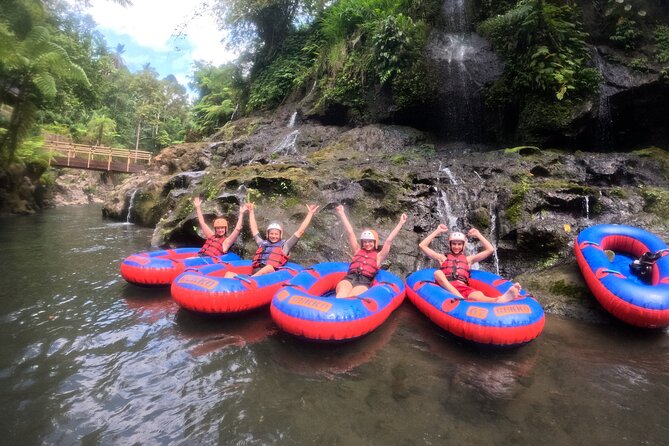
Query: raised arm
point(425, 244)
point(311, 210)
point(253, 224)
point(238, 228)
point(197, 203)
point(488, 249)
point(389, 241)
point(352, 239)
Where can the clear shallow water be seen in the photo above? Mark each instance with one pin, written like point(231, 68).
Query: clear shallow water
point(87, 359)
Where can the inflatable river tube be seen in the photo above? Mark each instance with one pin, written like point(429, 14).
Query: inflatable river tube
point(487, 323)
point(306, 306)
point(206, 290)
point(159, 268)
point(618, 290)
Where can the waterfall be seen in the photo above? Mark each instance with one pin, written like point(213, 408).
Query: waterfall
point(493, 237)
point(287, 145)
point(291, 121)
point(456, 16)
point(603, 139)
point(131, 204)
point(444, 211)
point(450, 175)
point(465, 63)
point(587, 207)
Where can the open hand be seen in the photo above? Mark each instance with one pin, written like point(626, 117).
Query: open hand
point(312, 208)
point(197, 201)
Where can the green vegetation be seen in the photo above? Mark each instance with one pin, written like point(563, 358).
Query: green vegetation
point(562, 288)
point(57, 75)
point(656, 201)
point(285, 74)
point(544, 48)
point(627, 34)
point(546, 58)
point(639, 64)
point(373, 44)
point(662, 42)
point(514, 211)
point(348, 51)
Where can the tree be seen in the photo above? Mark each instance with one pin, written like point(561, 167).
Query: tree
point(100, 130)
point(32, 65)
point(220, 91)
point(262, 25)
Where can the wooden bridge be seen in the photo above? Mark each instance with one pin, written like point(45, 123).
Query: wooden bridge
point(64, 153)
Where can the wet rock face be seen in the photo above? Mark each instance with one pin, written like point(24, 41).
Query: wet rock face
point(530, 204)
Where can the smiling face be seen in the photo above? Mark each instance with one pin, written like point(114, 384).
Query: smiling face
point(457, 246)
point(367, 245)
point(220, 227)
point(274, 235)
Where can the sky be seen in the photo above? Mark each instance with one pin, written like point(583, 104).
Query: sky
point(148, 29)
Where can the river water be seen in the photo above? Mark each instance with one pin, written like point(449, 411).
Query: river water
point(87, 359)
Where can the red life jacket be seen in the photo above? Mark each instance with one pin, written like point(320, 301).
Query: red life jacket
point(456, 267)
point(213, 246)
point(365, 263)
point(269, 253)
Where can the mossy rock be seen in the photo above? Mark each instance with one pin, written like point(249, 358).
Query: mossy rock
point(524, 150)
point(656, 201)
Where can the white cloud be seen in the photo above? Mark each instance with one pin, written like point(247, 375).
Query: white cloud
point(154, 23)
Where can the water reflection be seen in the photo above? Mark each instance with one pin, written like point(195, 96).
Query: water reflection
point(216, 332)
point(328, 360)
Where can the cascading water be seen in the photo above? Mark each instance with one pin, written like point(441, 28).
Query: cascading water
point(587, 207)
point(603, 138)
point(131, 204)
point(287, 144)
point(493, 237)
point(465, 63)
point(444, 210)
point(291, 121)
point(449, 174)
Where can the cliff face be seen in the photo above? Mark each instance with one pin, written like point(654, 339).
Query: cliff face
point(529, 203)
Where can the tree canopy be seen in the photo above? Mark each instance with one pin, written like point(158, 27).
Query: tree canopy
point(56, 72)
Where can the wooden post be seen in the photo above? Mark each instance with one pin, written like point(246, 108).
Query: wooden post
point(109, 163)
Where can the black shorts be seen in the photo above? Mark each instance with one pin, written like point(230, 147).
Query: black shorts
point(256, 269)
point(358, 280)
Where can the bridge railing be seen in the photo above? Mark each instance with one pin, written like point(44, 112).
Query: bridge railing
point(89, 157)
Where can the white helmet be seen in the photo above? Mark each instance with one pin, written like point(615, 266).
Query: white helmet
point(370, 234)
point(457, 237)
point(275, 225)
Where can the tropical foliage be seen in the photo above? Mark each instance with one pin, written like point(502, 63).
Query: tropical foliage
point(352, 48)
point(55, 69)
point(544, 48)
point(220, 94)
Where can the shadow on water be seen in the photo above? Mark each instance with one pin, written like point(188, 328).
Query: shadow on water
point(217, 332)
point(328, 360)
